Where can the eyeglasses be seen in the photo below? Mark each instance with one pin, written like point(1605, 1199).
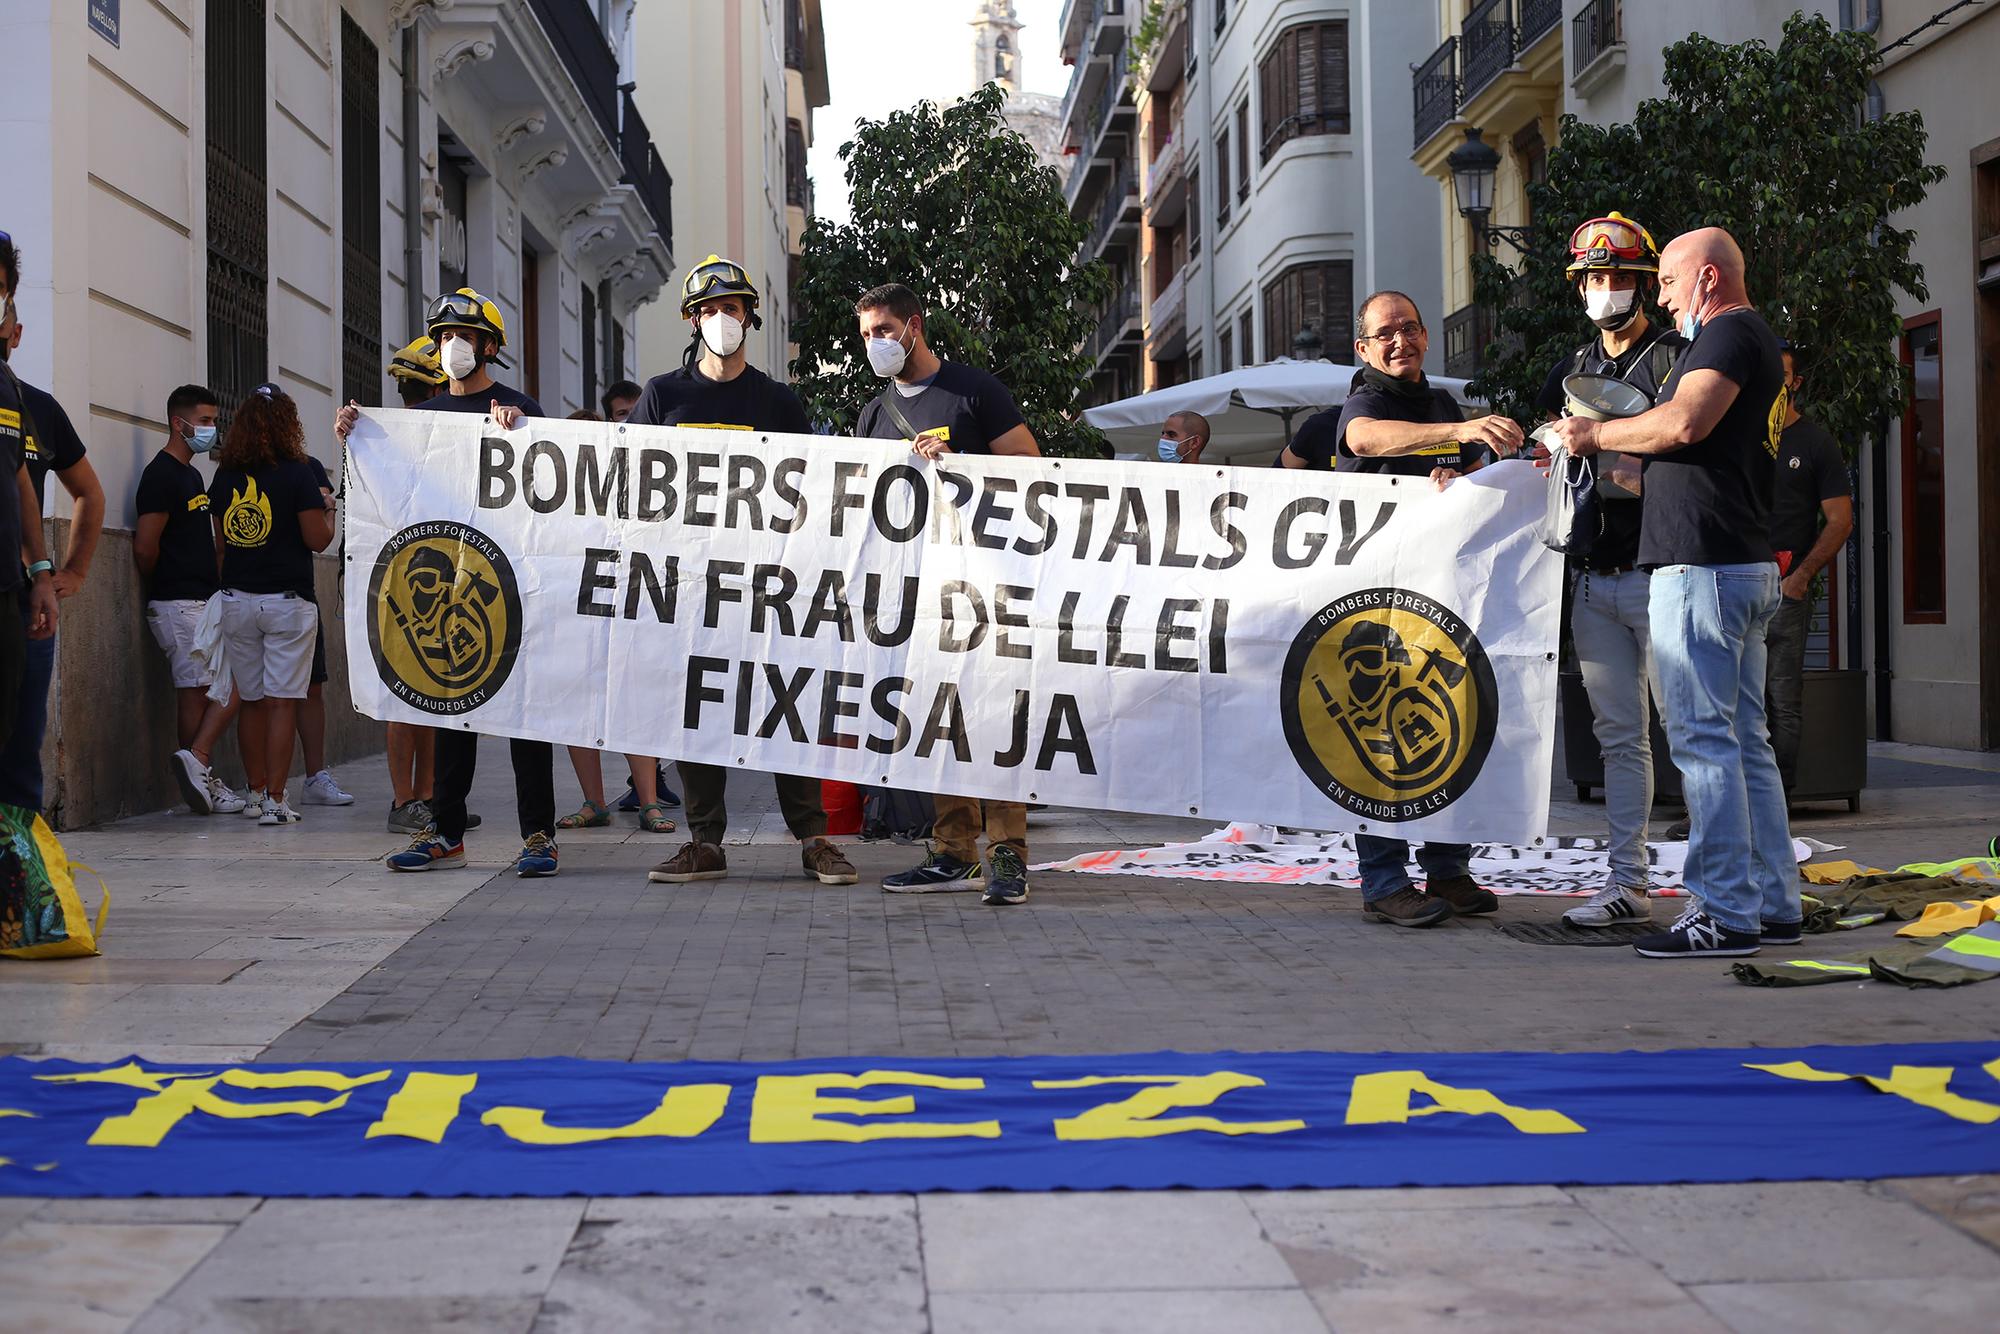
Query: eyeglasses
point(1409, 329)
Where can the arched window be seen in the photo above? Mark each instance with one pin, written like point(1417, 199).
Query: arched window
point(1002, 44)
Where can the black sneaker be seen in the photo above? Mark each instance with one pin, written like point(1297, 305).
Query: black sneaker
point(1006, 878)
point(937, 873)
point(1782, 933)
point(1408, 906)
point(1678, 831)
point(1696, 935)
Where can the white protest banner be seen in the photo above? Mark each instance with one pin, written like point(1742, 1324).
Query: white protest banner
point(1332, 651)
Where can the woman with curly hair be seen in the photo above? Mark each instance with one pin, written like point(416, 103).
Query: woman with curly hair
point(270, 517)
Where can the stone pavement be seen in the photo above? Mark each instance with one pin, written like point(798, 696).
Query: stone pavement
point(231, 942)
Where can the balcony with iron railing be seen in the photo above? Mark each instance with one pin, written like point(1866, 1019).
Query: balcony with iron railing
point(1435, 86)
point(1091, 140)
point(1119, 200)
point(579, 42)
point(645, 171)
point(795, 34)
point(1119, 320)
point(798, 187)
point(1597, 29)
point(1485, 45)
point(1171, 304)
point(1468, 331)
point(1165, 167)
point(1536, 18)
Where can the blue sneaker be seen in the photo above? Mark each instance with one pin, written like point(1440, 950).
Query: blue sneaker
point(538, 857)
point(630, 801)
point(939, 872)
point(1006, 878)
point(428, 852)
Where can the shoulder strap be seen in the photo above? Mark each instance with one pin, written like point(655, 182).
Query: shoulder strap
point(888, 401)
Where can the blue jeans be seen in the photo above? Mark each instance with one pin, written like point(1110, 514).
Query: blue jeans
point(1708, 627)
point(1385, 863)
point(21, 757)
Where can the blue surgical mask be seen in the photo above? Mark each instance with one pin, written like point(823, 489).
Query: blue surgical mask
point(1170, 450)
point(1690, 323)
point(202, 439)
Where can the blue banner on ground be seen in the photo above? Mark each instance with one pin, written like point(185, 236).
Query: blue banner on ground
point(1167, 1119)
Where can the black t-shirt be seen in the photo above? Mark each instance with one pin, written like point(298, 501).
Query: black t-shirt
point(54, 445)
point(969, 407)
point(753, 401)
point(263, 550)
point(186, 568)
point(1709, 503)
point(325, 483)
point(1322, 440)
point(1645, 366)
point(13, 440)
point(1810, 470)
point(502, 394)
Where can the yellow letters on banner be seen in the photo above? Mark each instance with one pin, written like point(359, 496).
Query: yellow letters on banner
point(130, 1075)
point(686, 1111)
point(151, 1118)
point(1135, 1117)
point(788, 1109)
point(424, 1107)
point(1384, 1098)
point(1924, 1085)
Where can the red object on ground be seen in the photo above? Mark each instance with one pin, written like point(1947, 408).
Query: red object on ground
point(843, 806)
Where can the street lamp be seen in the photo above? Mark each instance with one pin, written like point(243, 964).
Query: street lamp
point(1307, 344)
point(1474, 164)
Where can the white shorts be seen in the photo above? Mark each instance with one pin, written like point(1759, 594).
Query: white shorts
point(173, 622)
point(269, 640)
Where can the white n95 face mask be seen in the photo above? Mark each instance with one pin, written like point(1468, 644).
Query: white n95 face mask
point(1610, 310)
point(721, 334)
point(460, 358)
point(886, 356)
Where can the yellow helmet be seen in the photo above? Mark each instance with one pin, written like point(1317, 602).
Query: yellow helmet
point(1613, 241)
point(714, 277)
point(467, 309)
point(417, 360)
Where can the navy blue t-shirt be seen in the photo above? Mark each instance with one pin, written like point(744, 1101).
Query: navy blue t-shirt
point(53, 446)
point(482, 401)
point(13, 440)
point(263, 549)
point(1322, 441)
point(186, 568)
point(968, 407)
point(752, 401)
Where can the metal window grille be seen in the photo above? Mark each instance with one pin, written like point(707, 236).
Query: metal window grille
point(238, 258)
point(361, 344)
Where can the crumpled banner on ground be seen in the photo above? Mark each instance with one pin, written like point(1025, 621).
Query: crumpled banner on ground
point(1220, 1120)
point(1266, 855)
point(1964, 957)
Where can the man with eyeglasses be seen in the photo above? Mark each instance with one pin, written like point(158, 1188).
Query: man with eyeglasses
point(1616, 269)
point(1396, 421)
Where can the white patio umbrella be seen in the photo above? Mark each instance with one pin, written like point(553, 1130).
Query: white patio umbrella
point(1251, 410)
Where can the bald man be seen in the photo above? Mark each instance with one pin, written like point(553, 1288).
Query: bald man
point(1708, 450)
point(1183, 438)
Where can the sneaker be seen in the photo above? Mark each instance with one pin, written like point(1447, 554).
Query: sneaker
point(192, 777)
point(428, 852)
point(471, 821)
point(1611, 906)
point(938, 872)
point(253, 802)
point(1466, 897)
point(279, 812)
point(695, 861)
point(220, 799)
point(1006, 877)
point(538, 857)
point(1781, 933)
point(1678, 831)
point(827, 864)
point(412, 817)
point(668, 797)
point(321, 790)
point(1408, 906)
point(1696, 935)
point(628, 802)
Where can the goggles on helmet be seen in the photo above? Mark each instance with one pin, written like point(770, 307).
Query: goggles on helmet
point(714, 277)
point(1613, 242)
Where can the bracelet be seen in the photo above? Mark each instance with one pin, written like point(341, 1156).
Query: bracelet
point(41, 567)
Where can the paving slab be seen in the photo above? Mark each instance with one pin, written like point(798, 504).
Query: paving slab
point(86, 1277)
point(1857, 1306)
point(345, 1315)
point(821, 1263)
point(1969, 1203)
point(1097, 1241)
point(1784, 1230)
point(1240, 1311)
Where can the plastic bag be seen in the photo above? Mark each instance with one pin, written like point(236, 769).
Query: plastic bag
point(1574, 517)
point(41, 914)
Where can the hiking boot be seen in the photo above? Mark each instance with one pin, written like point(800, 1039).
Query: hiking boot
point(1408, 906)
point(192, 776)
point(1613, 905)
point(1464, 895)
point(537, 858)
point(1696, 935)
point(1678, 831)
point(936, 873)
point(321, 790)
point(412, 817)
point(695, 861)
point(1006, 877)
point(428, 852)
point(824, 862)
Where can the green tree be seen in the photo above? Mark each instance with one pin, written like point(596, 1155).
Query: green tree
point(1774, 146)
point(951, 202)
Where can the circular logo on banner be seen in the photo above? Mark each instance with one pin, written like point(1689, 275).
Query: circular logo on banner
point(446, 621)
point(1389, 704)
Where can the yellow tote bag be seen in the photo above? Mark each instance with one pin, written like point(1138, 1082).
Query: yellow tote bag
point(41, 914)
